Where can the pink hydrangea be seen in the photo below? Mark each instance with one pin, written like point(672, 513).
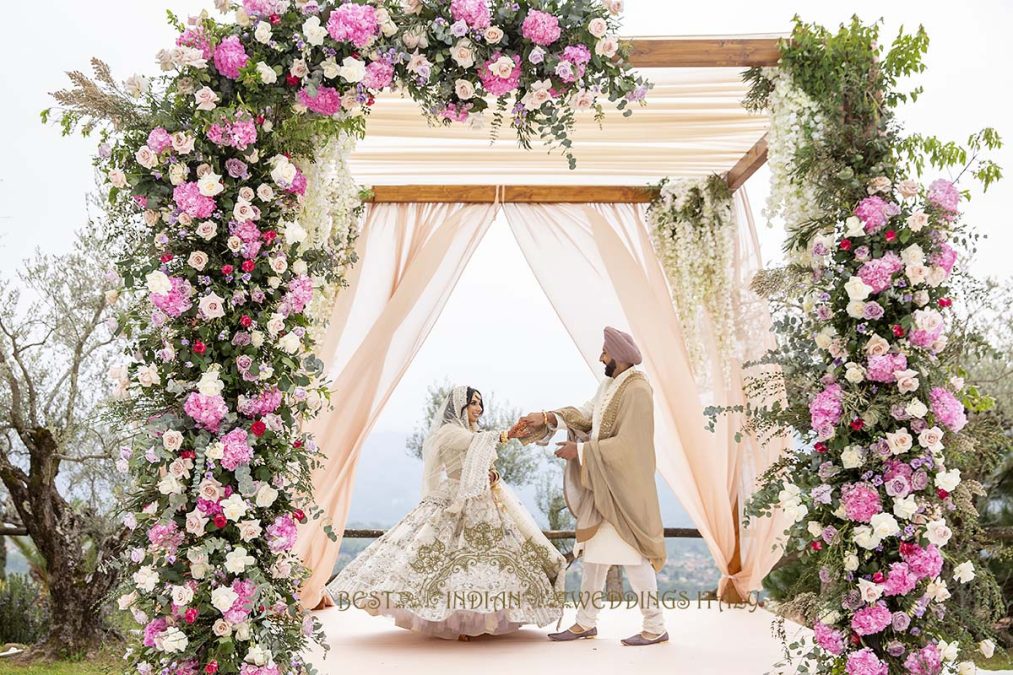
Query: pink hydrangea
point(875, 212)
point(944, 194)
point(475, 13)
point(264, 403)
point(947, 409)
point(493, 83)
point(230, 57)
point(237, 452)
point(541, 28)
point(925, 563)
point(379, 74)
point(865, 662)
point(176, 300)
point(281, 534)
point(239, 134)
point(825, 410)
point(878, 273)
point(165, 536)
point(830, 639)
point(250, 669)
point(928, 327)
point(198, 39)
point(327, 100)
point(300, 293)
point(925, 661)
point(881, 367)
point(191, 202)
point(945, 257)
point(353, 23)
point(159, 139)
point(243, 604)
point(207, 411)
point(871, 620)
point(153, 630)
point(900, 581)
point(258, 8)
point(861, 501)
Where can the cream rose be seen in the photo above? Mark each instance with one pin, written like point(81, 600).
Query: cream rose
point(206, 230)
point(197, 260)
point(598, 27)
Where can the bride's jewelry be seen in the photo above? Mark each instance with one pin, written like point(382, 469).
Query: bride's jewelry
point(545, 418)
point(503, 437)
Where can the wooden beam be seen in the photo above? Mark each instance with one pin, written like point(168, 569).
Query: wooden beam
point(747, 166)
point(663, 52)
point(523, 194)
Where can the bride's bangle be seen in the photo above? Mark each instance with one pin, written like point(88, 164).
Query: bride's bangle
point(545, 418)
point(503, 437)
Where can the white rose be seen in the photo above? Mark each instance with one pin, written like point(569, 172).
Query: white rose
point(234, 243)
point(884, 525)
point(275, 325)
point(314, 32)
point(257, 339)
point(206, 230)
point(854, 372)
point(987, 648)
point(209, 383)
point(170, 485)
point(278, 264)
point(234, 507)
point(852, 457)
point(266, 496)
point(853, 227)
point(937, 532)
point(117, 178)
point(289, 343)
point(948, 480)
point(598, 27)
point(257, 655)
point(966, 668)
point(949, 650)
point(222, 598)
point(931, 438)
point(614, 6)
point(146, 578)
point(249, 530)
point(352, 69)
point(173, 640)
point(864, 537)
point(267, 73)
point(850, 562)
point(907, 381)
point(237, 560)
point(265, 192)
point(243, 631)
point(917, 220)
point(464, 89)
point(824, 337)
point(463, 54)
point(871, 591)
point(899, 441)
point(607, 46)
point(172, 440)
point(210, 184)
point(493, 34)
point(905, 507)
point(206, 98)
point(197, 260)
point(937, 590)
point(221, 627)
point(283, 171)
point(503, 67)
point(243, 211)
point(125, 601)
point(964, 572)
point(158, 282)
point(856, 309)
point(182, 595)
point(212, 307)
point(147, 376)
point(263, 32)
point(294, 234)
point(857, 289)
point(916, 408)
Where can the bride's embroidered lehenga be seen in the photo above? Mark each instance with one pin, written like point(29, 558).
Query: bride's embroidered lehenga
point(469, 559)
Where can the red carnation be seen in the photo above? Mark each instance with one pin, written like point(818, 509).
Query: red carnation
point(245, 321)
point(878, 577)
point(299, 515)
point(890, 235)
point(191, 615)
point(270, 236)
point(907, 548)
point(211, 668)
point(258, 428)
point(275, 19)
point(857, 424)
point(898, 330)
point(816, 545)
point(297, 444)
point(188, 454)
point(944, 302)
point(227, 269)
point(166, 257)
point(219, 520)
point(820, 447)
point(941, 493)
point(199, 347)
point(855, 640)
point(260, 120)
point(248, 265)
point(292, 80)
point(845, 244)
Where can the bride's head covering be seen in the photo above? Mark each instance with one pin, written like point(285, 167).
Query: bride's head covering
point(450, 415)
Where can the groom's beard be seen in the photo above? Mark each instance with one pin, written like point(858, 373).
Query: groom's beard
point(610, 368)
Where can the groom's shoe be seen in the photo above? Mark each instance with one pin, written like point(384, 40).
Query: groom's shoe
point(570, 634)
point(639, 640)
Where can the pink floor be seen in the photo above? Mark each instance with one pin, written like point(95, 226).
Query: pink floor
point(726, 642)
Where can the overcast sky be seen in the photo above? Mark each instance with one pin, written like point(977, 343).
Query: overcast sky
point(44, 177)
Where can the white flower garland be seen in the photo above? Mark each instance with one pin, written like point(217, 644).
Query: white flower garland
point(795, 121)
point(695, 250)
point(330, 219)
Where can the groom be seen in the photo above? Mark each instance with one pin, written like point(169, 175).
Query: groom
point(609, 486)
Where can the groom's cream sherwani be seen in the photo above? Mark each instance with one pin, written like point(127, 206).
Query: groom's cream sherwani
point(610, 486)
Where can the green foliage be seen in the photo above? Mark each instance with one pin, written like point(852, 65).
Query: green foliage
point(24, 613)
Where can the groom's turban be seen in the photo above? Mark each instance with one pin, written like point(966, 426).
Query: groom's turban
point(621, 346)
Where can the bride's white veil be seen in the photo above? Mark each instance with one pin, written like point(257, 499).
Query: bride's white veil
point(450, 414)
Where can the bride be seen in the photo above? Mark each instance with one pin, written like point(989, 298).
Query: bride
point(469, 559)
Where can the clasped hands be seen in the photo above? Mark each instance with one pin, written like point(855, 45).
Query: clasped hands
point(536, 421)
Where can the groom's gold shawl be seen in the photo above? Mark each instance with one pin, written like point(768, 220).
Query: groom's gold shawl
point(615, 480)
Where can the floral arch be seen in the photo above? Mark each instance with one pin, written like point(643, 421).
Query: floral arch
point(234, 242)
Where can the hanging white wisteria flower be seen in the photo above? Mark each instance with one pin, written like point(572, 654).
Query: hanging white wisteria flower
point(693, 228)
point(795, 122)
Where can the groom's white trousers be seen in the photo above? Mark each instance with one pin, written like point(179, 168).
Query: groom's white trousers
point(643, 582)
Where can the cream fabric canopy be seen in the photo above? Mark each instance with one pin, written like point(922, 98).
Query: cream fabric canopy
point(693, 124)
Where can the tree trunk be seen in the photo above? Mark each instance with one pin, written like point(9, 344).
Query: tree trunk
point(3, 559)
